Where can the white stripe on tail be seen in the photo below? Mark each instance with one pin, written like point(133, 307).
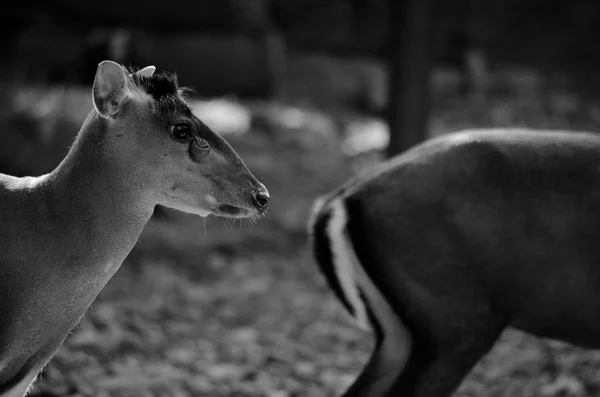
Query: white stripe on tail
point(345, 262)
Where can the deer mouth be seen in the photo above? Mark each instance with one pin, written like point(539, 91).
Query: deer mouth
point(231, 211)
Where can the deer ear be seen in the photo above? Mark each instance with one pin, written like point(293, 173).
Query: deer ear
point(110, 89)
point(147, 72)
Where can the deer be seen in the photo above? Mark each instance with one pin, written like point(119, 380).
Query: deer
point(63, 235)
point(439, 249)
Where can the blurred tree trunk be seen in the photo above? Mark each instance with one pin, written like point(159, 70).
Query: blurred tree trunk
point(409, 62)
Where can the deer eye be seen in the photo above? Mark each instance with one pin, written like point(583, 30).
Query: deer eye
point(181, 132)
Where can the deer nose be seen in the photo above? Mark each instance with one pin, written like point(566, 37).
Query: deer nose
point(261, 199)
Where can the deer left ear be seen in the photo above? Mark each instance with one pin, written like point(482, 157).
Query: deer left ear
point(147, 72)
point(110, 89)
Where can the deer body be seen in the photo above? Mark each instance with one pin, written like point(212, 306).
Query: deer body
point(64, 235)
point(459, 238)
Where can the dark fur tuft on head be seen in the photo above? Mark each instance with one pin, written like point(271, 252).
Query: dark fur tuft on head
point(164, 88)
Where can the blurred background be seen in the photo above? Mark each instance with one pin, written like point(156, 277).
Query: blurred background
point(307, 92)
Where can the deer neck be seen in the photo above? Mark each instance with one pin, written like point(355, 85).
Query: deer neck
point(70, 230)
point(96, 199)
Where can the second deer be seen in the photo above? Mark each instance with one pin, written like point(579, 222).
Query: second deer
point(449, 243)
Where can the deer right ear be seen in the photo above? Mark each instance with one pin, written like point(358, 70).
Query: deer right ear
point(147, 72)
point(110, 89)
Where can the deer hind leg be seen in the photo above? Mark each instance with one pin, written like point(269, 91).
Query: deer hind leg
point(426, 342)
point(393, 345)
point(425, 352)
point(437, 368)
point(415, 360)
point(390, 355)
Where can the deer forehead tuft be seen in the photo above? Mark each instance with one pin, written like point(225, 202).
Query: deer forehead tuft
point(164, 89)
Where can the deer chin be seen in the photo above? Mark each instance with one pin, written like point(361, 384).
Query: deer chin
point(191, 205)
point(191, 209)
